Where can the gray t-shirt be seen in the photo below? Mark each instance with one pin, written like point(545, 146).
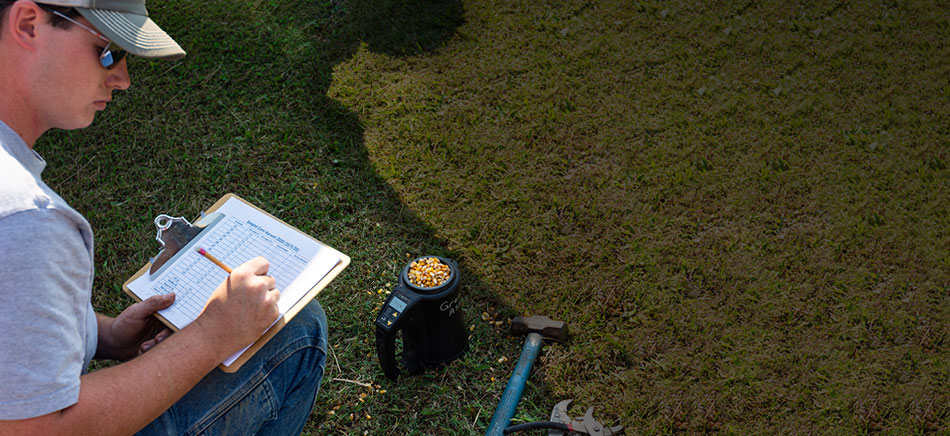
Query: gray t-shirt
point(48, 329)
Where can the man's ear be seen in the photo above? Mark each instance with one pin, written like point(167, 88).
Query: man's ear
point(22, 22)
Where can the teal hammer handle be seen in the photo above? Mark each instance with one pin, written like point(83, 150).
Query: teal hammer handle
point(512, 395)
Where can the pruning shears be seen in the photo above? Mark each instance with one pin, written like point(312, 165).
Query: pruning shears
point(561, 423)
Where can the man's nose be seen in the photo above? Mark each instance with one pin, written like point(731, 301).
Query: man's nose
point(118, 77)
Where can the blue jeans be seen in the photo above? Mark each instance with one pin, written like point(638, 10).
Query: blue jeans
point(272, 394)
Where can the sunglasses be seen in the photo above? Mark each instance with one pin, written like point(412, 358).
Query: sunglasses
point(111, 54)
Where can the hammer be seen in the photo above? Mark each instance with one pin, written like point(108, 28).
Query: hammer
point(537, 328)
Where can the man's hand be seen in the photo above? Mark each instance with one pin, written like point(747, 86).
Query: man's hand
point(241, 309)
point(134, 331)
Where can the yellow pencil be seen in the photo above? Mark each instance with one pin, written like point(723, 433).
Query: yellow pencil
point(214, 259)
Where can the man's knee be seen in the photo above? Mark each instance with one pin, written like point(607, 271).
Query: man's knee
point(316, 317)
point(310, 322)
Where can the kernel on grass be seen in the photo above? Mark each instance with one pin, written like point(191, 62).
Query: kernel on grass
point(428, 273)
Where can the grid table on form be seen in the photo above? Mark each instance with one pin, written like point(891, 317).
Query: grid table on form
point(193, 279)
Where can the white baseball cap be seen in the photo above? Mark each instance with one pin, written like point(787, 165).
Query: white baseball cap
point(126, 23)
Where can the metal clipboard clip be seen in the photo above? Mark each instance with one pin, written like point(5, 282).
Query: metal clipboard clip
point(175, 234)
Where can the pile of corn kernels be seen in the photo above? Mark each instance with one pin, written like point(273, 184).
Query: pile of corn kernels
point(428, 272)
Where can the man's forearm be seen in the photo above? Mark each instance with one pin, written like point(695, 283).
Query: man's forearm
point(124, 398)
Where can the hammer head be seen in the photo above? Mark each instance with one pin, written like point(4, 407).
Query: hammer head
point(541, 325)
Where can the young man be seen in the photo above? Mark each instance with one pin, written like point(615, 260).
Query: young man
point(60, 61)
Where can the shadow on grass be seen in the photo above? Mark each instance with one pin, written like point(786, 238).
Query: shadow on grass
point(247, 112)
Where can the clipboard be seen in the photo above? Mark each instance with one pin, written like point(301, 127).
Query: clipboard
point(178, 238)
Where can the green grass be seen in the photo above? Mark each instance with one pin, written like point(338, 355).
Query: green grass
point(740, 209)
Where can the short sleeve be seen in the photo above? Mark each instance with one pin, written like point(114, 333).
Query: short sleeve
point(45, 286)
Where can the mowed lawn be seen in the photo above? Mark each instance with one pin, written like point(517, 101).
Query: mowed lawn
point(738, 208)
